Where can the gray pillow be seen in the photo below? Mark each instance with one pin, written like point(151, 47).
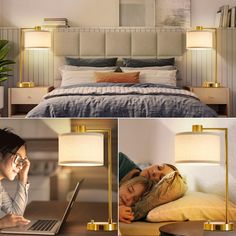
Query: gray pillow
point(94, 62)
point(129, 62)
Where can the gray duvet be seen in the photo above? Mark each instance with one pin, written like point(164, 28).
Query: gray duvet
point(121, 100)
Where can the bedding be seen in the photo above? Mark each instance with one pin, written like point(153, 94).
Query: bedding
point(193, 206)
point(73, 77)
point(96, 62)
point(117, 77)
point(120, 100)
point(167, 77)
point(130, 62)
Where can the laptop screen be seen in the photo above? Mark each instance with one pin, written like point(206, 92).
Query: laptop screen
point(72, 200)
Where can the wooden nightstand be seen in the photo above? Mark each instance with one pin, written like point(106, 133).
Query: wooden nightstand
point(22, 100)
point(216, 98)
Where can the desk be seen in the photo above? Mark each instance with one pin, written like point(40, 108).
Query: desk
point(190, 228)
point(81, 213)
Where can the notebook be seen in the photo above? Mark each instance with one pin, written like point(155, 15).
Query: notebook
point(45, 226)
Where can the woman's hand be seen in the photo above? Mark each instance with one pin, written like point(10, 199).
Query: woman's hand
point(12, 220)
point(125, 214)
point(23, 173)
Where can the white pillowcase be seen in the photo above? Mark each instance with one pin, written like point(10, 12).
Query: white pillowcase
point(193, 206)
point(72, 75)
point(167, 77)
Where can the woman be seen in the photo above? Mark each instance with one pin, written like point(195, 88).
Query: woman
point(131, 192)
point(128, 169)
point(13, 162)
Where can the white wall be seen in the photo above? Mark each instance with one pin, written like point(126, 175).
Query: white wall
point(29, 13)
point(136, 138)
point(203, 11)
point(160, 149)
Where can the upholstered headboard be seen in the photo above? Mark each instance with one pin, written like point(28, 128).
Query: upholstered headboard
point(117, 42)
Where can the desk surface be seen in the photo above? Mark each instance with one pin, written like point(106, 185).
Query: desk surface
point(190, 228)
point(81, 213)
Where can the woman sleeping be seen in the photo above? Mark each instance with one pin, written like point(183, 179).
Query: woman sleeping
point(152, 187)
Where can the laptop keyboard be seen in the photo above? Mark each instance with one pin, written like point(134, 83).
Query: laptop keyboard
point(43, 225)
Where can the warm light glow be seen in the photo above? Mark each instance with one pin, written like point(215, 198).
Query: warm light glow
point(81, 149)
point(37, 39)
point(197, 147)
point(199, 39)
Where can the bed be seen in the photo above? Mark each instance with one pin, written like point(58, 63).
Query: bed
point(123, 100)
point(119, 99)
point(194, 206)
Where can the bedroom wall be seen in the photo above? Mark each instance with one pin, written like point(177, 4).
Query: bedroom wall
point(90, 13)
point(203, 12)
point(160, 149)
point(79, 13)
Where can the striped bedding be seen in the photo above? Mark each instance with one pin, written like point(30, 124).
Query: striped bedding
point(121, 100)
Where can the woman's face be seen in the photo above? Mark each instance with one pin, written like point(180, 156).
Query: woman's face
point(130, 193)
point(156, 172)
point(10, 167)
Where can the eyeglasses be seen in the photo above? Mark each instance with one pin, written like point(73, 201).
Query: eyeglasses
point(19, 161)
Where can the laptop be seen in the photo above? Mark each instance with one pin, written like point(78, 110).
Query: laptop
point(45, 226)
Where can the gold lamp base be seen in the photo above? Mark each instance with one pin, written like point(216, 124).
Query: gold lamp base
point(25, 84)
point(104, 226)
point(218, 226)
point(207, 84)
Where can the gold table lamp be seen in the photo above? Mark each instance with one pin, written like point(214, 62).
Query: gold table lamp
point(31, 39)
point(204, 147)
point(85, 147)
point(204, 38)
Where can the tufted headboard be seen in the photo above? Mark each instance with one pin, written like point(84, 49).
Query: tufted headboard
point(117, 42)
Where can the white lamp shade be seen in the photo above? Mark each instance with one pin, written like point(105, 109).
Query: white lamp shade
point(199, 39)
point(37, 39)
point(197, 147)
point(85, 149)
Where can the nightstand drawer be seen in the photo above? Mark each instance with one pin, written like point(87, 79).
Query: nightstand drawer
point(27, 95)
point(212, 96)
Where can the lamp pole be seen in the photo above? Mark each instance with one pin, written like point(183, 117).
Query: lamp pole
point(109, 225)
point(226, 226)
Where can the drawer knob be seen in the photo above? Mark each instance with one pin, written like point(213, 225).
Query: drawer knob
point(29, 97)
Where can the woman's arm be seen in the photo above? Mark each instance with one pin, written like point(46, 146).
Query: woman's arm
point(17, 204)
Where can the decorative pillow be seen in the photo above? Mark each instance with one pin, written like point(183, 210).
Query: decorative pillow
point(149, 68)
point(95, 62)
point(193, 206)
point(106, 68)
point(170, 188)
point(167, 77)
point(129, 62)
point(117, 77)
point(73, 77)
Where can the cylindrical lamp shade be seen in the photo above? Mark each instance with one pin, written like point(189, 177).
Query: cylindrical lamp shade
point(199, 39)
point(37, 39)
point(85, 149)
point(197, 147)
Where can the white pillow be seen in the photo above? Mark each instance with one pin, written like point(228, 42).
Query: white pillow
point(73, 77)
point(193, 206)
